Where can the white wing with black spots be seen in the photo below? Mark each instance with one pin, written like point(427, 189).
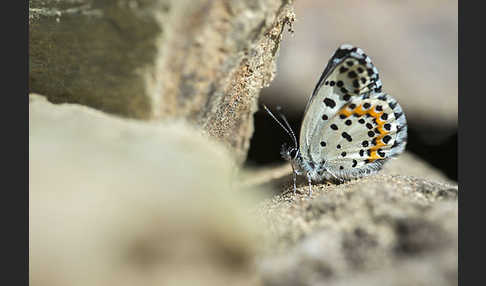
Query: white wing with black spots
point(348, 74)
point(350, 127)
point(368, 131)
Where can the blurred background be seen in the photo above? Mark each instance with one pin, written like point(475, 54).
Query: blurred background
point(414, 45)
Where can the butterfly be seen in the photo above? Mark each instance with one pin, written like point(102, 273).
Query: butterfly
point(350, 127)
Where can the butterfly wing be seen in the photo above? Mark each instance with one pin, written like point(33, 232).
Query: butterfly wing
point(349, 73)
point(369, 130)
point(350, 127)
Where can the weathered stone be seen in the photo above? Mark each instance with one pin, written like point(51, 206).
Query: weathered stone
point(205, 60)
point(129, 202)
point(399, 230)
point(407, 164)
point(116, 201)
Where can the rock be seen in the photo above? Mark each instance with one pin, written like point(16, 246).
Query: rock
point(130, 202)
point(205, 60)
point(280, 176)
point(396, 227)
point(382, 229)
point(116, 201)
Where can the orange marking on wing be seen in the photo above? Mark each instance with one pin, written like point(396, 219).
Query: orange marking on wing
point(346, 112)
point(359, 110)
point(379, 122)
point(379, 143)
point(374, 156)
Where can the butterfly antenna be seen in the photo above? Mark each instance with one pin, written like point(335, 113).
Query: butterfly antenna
point(288, 126)
point(290, 133)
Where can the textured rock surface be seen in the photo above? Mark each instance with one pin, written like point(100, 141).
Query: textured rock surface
point(383, 229)
point(122, 202)
point(280, 176)
point(202, 60)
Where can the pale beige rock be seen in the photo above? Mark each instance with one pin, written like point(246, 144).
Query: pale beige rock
point(396, 227)
point(204, 60)
point(280, 176)
point(383, 229)
point(117, 201)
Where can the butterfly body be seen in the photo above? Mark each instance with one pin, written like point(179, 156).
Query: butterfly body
point(350, 127)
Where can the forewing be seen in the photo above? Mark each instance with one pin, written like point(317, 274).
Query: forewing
point(348, 74)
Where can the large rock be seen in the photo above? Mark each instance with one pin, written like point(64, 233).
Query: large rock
point(202, 60)
point(122, 202)
point(130, 202)
point(384, 229)
point(280, 176)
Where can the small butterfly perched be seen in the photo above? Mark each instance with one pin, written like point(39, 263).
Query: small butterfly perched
point(350, 127)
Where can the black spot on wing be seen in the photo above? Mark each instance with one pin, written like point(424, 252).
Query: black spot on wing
point(386, 139)
point(341, 53)
point(381, 153)
point(347, 136)
point(352, 74)
point(382, 97)
point(329, 102)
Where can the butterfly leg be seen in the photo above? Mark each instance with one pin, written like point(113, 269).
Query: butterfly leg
point(310, 185)
point(295, 184)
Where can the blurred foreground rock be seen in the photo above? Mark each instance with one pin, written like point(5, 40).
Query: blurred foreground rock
point(204, 60)
point(123, 202)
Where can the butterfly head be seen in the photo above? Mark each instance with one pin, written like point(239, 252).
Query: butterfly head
point(290, 153)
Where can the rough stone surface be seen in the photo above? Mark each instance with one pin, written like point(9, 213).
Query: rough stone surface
point(116, 201)
point(280, 176)
point(205, 60)
point(383, 229)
